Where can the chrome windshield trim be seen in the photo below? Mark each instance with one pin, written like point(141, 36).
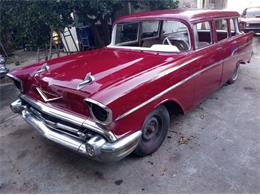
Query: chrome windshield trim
point(87, 123)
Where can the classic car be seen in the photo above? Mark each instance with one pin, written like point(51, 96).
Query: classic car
point(110, 102)
point(250, 20)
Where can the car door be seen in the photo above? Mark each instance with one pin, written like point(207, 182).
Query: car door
point(224, 44)
point(209, 76)
point(232, 48)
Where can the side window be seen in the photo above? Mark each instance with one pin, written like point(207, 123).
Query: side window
point(127, 32)
point(222, 29)
point(150, 29)
point(203, 34)
point(234, 28)
point(171, 27)
point(177, 33)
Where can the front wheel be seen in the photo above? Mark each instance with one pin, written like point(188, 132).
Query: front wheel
point(234, 76)
point(154, 131)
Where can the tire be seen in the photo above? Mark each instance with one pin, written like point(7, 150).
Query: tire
point(154, 131)
point(234, 76)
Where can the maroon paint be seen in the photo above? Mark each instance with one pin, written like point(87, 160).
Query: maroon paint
point(125, 78)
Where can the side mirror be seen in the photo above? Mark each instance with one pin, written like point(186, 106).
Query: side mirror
point(3, 69)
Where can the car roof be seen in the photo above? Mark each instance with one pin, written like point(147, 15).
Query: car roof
point(188, 15)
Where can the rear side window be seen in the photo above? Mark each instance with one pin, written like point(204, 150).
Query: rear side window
point(203, 34)
point(171, 27)
point(177, 33)
point(234, 27)
point(222, 29)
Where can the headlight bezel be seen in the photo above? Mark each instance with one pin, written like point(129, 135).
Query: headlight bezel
point(91, 103)
point(17, 82)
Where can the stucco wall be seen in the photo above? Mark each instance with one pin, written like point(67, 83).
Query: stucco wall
point(240, 5)
point(188, 3)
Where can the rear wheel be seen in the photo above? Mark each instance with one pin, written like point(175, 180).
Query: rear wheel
point(154, 131)
point(234, 76)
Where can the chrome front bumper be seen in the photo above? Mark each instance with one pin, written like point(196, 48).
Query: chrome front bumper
point(95, 147)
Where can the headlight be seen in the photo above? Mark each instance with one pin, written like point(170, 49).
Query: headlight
point(99, 112)
point(2, 59)
point(17, 82)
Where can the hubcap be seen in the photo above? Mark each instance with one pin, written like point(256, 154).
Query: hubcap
point(151, 129)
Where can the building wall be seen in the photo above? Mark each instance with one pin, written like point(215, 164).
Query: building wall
point(215, 4)
point(208, 4)
point(240, 5)
point(188, 3)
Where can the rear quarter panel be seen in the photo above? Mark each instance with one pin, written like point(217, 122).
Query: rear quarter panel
point(240, 50)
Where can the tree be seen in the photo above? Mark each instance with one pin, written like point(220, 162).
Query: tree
point(103, 11)
point(32, 21)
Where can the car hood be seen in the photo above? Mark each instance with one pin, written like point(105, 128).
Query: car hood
point(116, 72)
point(107, 66)
point(110, 67)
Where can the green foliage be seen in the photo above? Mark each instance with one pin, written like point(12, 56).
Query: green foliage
point(161, 4)
point(31, 21)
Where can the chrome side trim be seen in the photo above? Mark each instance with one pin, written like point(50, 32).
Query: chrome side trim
point(172, 87)
point(15, 78)
point(87, 123)
point(164, 92)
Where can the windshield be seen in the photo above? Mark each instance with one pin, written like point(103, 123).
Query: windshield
point(157, 35)
point(252, 12)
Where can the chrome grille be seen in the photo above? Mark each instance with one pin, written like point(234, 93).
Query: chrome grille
point(56, 124)
point(254, 25)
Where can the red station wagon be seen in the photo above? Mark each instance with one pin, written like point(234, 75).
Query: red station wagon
point(110, 102)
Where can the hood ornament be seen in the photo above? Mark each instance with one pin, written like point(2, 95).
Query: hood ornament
point(44, 68)
point(43, 94)
point(88, 80)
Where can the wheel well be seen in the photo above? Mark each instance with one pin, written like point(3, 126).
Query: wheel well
point(241, 62)
point(173, 107)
